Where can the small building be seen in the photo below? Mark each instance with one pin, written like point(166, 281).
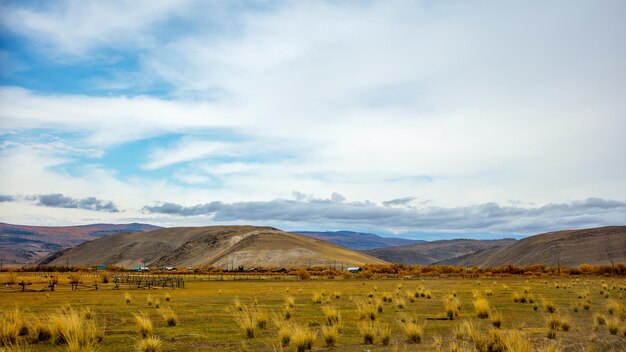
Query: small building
point(354, 269)
point(101, 267)
point(170, 268)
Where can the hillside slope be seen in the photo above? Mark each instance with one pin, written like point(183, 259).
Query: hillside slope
point(435, 251)
point(597, 246)
point(358, 240)
point(223, 246)
point(21, 244)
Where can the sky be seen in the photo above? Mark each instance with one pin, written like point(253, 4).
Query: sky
point(422, 119)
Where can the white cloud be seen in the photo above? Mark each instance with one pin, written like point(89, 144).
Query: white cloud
point(74, 27)
point(456, 102)
point(187, 150)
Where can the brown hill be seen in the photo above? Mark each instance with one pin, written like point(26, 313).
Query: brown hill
point(435, 251)
point(223, 246)
point(597, 246)
point(21, 244)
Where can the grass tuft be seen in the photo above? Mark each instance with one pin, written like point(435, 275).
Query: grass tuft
point(481, 307)
point(143, 325)
point(303, 338)
point(149, 344)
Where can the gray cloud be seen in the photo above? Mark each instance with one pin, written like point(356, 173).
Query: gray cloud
point(399, 201)
point(487, 217)
point(6, 198)
point(58, 200)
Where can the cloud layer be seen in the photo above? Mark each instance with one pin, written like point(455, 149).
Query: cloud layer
point(485, 218)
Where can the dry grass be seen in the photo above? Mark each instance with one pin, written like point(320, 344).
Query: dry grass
point(143, 325)
point(149, 344)
point(290, 302)
point(496, 319)
point(330, 334)
point(317, 297)
point(613, 326)
point(413, 331)
point(13, 324)
point(80, 334)
point(548, 306)
point(400, 303)
point(303, 338)
point(171, 318)
point(367, 329)
point(452, 306)
point(332, 316)
point(284, 334)
point(384, 331)
point(481, 307)
point(246, 319)
point(515, 341)
point(365, 309)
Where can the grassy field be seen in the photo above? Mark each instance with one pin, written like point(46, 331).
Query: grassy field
point(208, 312)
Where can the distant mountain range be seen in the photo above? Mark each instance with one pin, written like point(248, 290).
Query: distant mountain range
point(261, 246)
point(597, 246)
point(358, 240)
point(427, 253)
point(220, 246)
point(21, 244)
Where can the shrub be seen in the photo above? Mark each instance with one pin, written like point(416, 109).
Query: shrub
point(303, 274)
point(127, 297)
point(481, 307)
point(302, 338)
point(143, 324)
point(168, 297)
point(149, 344)
point(149, 300)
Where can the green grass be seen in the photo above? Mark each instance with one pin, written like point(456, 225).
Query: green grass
point(204, 311)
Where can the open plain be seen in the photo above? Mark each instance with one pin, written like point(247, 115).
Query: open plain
point(209, 313)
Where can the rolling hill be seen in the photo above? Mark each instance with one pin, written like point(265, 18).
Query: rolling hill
point(358, 240)
point(222, 246)
point(597, 246)
point(20, 244)
point(430, 252)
